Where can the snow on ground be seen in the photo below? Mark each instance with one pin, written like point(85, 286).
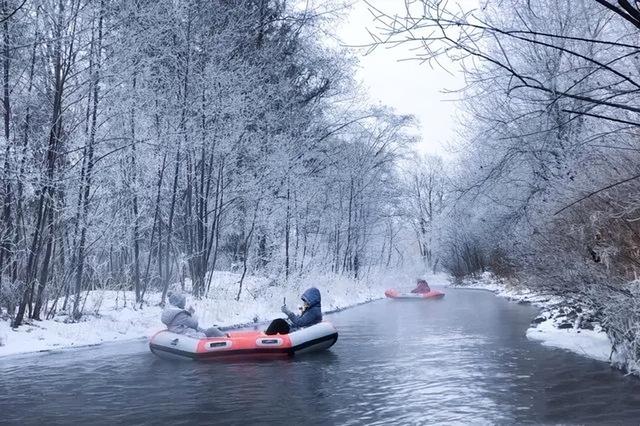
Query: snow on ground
point(590, 343)
point(558, 325)
point(110, 315)
point(488, 281)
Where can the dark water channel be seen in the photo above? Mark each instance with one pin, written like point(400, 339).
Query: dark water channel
point(464, 360)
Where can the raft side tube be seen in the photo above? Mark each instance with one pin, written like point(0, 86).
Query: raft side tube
point(395, 294)
point(244, 343)
point(315, 338)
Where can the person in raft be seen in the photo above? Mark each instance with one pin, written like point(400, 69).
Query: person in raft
point(422, 287)
point(181, 321)
point(311, 314)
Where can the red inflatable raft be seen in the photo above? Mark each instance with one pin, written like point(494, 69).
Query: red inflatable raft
point(244, 343)
point(395, 294)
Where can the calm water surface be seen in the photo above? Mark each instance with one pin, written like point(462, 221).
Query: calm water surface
point(463, 359)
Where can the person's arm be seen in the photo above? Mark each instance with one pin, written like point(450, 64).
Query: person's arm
point(309, 317)
point(288, 313)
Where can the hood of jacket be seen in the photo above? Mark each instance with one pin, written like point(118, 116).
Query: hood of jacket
point(312, 297)
point(422, 287)
point(177, 299)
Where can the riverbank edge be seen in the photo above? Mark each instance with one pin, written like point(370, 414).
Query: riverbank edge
point(56, 350)
point(559, 324)
point(110, 317)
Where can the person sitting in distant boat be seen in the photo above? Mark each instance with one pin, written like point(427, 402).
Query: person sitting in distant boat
point(311, 314)
point(181, 321)
point(422, 287)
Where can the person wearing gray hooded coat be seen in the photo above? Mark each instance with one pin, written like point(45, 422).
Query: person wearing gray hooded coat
point(181, 321)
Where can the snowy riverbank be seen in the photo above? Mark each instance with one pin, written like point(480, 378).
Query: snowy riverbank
point(558, 325)
point(110, 316)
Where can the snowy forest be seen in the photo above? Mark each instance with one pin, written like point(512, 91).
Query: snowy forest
point(149, 141)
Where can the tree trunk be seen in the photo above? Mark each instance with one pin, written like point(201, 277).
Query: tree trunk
point(134, 192)
point(287, 233)
point(47, 193)
point(176, 172)
point(6, 227)
point(89, 172)
point(245, 256)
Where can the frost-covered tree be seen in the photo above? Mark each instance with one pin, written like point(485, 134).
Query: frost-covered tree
point(146, 142)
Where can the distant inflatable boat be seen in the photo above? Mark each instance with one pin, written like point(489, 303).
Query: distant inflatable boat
point(244, 344)
point(395, 294)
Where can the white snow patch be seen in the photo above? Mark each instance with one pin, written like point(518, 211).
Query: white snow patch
point(590, 343)
point(488, 281)
point(114, 323)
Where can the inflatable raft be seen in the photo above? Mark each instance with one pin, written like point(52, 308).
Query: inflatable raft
point(395, 294)
point(244, 343)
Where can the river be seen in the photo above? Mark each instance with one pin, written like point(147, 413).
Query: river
point(462, 359)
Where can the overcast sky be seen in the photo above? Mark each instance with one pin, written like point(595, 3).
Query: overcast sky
point(407, 86)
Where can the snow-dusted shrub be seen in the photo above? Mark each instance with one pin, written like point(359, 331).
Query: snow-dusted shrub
point(621, 320)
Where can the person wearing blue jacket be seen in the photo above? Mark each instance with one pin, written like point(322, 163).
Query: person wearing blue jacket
point(311, 314)
point(311, 311)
